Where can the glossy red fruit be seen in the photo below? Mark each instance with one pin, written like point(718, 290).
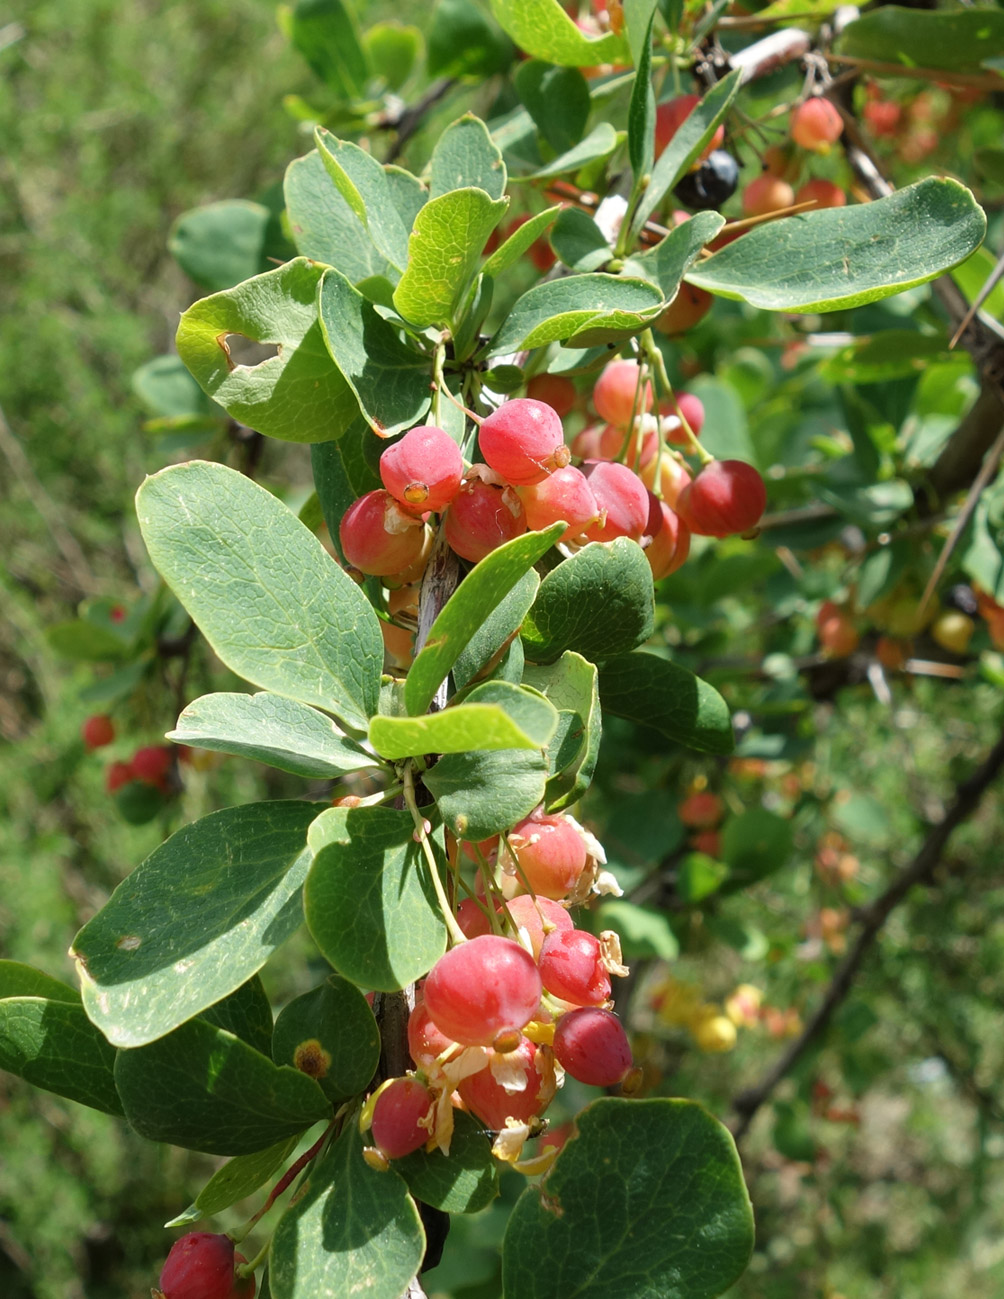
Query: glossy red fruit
point(117, 775)
point(553, 390)
point(532, 914)
point(483, 991)
point(379, 537)
point(726, 497)
point(566, 495)
point(690, 306)
point(571, 967)
point(523, 441)
point(426, 1042)
point(592, 1046)
point(692, 410)
point(622, 495)
point(816, 125)
point(482, 517)
point(151, 764)
point(821, 192)
point(616, 396)
point(670, 116)
point(490, 1101)
point(97, 731)
point(630, 448)
point(551, 854)
point(201, 1266)
point(424, 470)
point(767, 194)
point(472, 919)
point(396, 1130)
point(670, 544)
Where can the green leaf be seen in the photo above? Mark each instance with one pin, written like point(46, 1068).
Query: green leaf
point(557, 99)
point(682, 151)
point(646, 1202)
point(699, 876)
point(654, 692)
point(220, 244)
point(83, 641)
point(265, 593)
point(237, 1179)
point(464, 42)
point(501, 623)
point(580, 311)
point(389, 379)
point(513, 248)
point(393, 50)
point(19, 980)
point(544, 30)
point(166, 388)
point(362, 182)
point(443, 255)
point(600, 143)
point(204, 1089)
point(579, 242)
point(455, 730)
point(466, 157)
point(330, 1034)
point(480, 794)
point(407, 193)
point(893, 354)
point(956, 39)
point(571, 685)
point(645, 932)
point(201, 915)
point(273, 730)
point(298, 395)
point(843, 257)
point(463, 1181)
point(351, 1231)
point(323, 225)
point(344, 471)
point(598, 603)
point(324, 32)
point(369, 902)
point(463, 614)
point(754, 845)
point(982, 555)
point(641, 113)
point(53, 1045)
point(666, 264)
point(247, 1013)
point(726, 429)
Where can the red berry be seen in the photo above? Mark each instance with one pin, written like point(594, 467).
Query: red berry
point(379, 537)
point(816, 125)
point(531, 913)
point(622, 495)
point(490, 1101)
point(565, 494)
point(883, 116)
point(628, 447)
point(670, 544)
point(701, 811)
point(425, 1041)
point(767, 194)
point(822, 192)
point(201, 1266)
point(482, 517)
point(483, 991)
point(117, 775)
point(836, 628)
point(571, 967)
point(616, 395)
point(690, 306)
point(673, 478)
point(424, 470)
point(117, 613)
point(396, 1128)
point(670, 116)
point(592, 1046)
point(472, 919)
point(152, 763)
point(692, 410)
point(523, 441)
point(97, 731)
point(726, 497)
point(551, 854)
point(553, 390)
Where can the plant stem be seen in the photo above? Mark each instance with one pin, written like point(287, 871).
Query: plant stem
point(454, 930)
point(658, 363)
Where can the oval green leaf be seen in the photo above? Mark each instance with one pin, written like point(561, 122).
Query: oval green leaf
point(581, 310)
point(651, 691)
point(481, 794)
point(544, 30)
point(335, 1024)
point(53, 1045)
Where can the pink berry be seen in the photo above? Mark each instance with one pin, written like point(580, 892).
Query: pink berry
point(472, 919)
point(97, 731)
point(551, 854)
point(627, 447)
point(687, 309)
point(484, 991)
point(425, 1041)
point(490, 1101)
point(482, 517)
point(531, 913)
point(767, 194)
point(622, 495)
point(816, 125)
point(592, 1046)
point(523, 441)
point(396, 1129)
point(726, 497)
point(616, 396)
point(424, 470)
point(379, 537)
point(670, 116)
point(201, 1266)
point(566, 495)
point(553, 390)
point(692, 410)
point(586, 445)
point(670, 544)
point(673, 478)
point(571, 967)
point(823, 193)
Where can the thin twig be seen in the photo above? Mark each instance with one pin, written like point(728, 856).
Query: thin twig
point(920, 871)
point(407, 122)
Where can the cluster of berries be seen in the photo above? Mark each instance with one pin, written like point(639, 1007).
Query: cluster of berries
point(702, 812)
point(712, 1025)
point(500, 1019)
point(815, 127)
point(628, 484)
point(202, 1265)
point(149, 765)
